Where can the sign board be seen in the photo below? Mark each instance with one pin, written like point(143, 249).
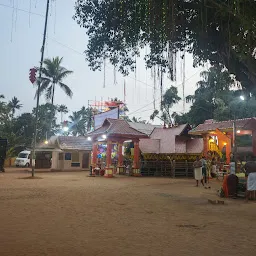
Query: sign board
point(100, 118)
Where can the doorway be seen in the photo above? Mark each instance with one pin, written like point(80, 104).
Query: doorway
point(86, 160)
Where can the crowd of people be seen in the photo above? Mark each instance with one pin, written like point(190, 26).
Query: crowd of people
point(210, 167)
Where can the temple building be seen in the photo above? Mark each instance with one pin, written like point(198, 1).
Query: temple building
point(219, 137)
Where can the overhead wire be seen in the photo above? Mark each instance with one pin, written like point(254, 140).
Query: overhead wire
point(21, 10)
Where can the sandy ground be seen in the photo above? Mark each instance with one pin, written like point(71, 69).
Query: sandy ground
point(72, 214)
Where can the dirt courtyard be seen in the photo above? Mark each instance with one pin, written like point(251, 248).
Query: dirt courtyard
point(72, 214)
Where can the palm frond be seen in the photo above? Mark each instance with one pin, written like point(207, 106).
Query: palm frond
point(44, 84)
point(63, 74)
point(66, 89)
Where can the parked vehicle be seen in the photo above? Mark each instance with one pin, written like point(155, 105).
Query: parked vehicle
point(23, 159)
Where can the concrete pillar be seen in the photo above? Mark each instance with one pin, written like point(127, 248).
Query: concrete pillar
point(120, 165)
point(136, 160)
point(94, 154)
point(108, 169)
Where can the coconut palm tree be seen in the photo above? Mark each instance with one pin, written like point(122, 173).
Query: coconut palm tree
point(14, 104)
point(62, 109)
point(53, 75)
point(77, 124)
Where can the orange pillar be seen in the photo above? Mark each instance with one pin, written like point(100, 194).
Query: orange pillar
point(120, 154)
point(228, 151)
point(108, 169)
point(94, 154)
point(136, 168)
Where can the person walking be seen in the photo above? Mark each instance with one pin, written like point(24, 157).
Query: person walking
point(198, 171)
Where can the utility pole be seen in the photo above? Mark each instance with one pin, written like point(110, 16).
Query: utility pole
point(39, 84)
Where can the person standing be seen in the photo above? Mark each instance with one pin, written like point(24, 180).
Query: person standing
point(232, 166)
point(198, 171)
point(214, 168)
point(204, 169)
point(250, 168)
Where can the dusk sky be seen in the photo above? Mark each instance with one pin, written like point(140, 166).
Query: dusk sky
point(21, 41)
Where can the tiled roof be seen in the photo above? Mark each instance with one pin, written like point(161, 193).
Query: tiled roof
point(171, 141)
point(150, 146)
point(144, 128)
point(67, 142)
point(211, 125)
point(77, 143)
point(195, 146)
point(113, 127)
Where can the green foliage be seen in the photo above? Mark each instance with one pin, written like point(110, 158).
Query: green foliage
point(14, 104)
point(53, 75)
point(170, 98)
point(47, 121)
point(217, 97)
point(221, 31)
point(81, 121)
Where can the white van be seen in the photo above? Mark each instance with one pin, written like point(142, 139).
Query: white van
point(23, 159)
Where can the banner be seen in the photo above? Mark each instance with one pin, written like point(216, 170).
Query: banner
point(100, 118)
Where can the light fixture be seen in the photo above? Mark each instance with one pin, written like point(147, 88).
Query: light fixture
point(65, 129)
point(225, 144)
point(89, 138)
point(46, 142)
point(242, 97)
point(238, 131)
point(104, 136)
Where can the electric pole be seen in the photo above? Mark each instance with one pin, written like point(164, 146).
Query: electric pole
point(39, 84)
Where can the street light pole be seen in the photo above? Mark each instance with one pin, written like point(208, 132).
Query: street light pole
point(234, 141)
point(39, 84)
point(242, 98)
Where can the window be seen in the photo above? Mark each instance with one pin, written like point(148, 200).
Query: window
point(75, 157)
point(67, 156)
point(75, 164)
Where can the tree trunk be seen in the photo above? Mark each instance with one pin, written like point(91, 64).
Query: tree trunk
point(53, 91)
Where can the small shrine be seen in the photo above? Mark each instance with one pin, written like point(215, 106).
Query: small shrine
point(221, 137)
point(109, 139)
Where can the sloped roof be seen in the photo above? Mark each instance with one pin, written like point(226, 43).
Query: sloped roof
point(149, 146)
point(211, 125)
point(167, 137)
point(195, 146)
point(171, 141)
point(117, 127)
point(67, 142)
point(144, 128)
point(76, 143)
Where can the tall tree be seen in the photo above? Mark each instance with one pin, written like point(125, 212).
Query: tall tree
point(165, 114)
point(53, 75)
point(47, 121)
point(14, 104)
point(214, 30)
point(77, 125)
point(62, 109)
point(217, 97)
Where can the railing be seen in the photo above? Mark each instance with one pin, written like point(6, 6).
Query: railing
point(167, 168)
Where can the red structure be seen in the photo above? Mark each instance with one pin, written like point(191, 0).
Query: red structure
point(218, 136)
point(116, 131)
point(32, 75)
